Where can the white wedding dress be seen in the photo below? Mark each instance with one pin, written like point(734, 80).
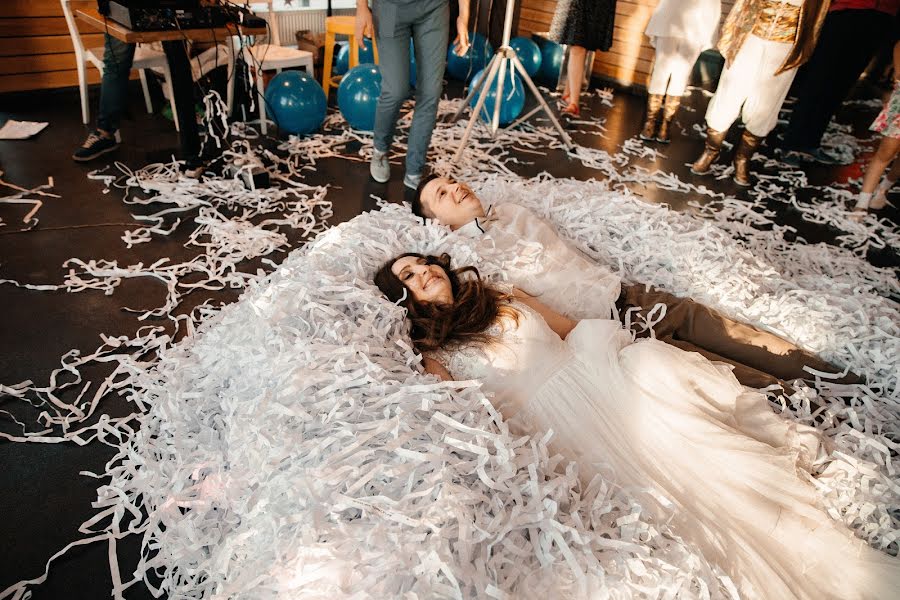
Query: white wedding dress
point(673, 425)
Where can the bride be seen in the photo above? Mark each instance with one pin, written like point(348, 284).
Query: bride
point(709, 457)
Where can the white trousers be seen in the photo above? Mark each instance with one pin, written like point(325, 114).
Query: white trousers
point(750, 89)
point(675, 58)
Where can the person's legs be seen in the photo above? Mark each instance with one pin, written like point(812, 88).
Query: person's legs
point(735, 342)
point(117, 59)
point(887, 152)
point(848, 40)
point(575, 78)
point(430, 36)
point(687, 53)
point(664, 63)
point(392, 34)
point(760, 110)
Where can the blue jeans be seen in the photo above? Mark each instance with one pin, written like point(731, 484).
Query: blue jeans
point(117, 59)
point(427, 23)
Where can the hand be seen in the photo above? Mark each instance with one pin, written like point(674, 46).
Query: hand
point(461, 42)
point(364, 27)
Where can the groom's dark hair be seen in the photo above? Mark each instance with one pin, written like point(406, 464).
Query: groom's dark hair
point(417, 207)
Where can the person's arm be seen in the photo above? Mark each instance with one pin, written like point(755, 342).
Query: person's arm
point(897, 61)
point(433, 367)
point(462, 28)
point(364, 27)
point(560, 324)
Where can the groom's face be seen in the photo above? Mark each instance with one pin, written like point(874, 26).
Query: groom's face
point(451, 203)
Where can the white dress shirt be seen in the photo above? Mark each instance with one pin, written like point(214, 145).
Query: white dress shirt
point(537, 261)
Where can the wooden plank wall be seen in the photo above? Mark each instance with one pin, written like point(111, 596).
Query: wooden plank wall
point(35, 48)
point(630, 59)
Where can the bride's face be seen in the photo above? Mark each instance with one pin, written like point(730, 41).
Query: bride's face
point(426, 283)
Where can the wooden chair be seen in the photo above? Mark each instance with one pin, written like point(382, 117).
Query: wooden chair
point(144, 58)
point(344, 25)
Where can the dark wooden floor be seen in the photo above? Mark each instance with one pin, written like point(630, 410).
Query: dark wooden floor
point(43, 498)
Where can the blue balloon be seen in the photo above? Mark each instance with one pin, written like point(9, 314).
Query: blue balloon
point(296, 102)
point(342, 62)
point(551, 62)
point(529, 54)
point(358, 94)
point(475, 59)
point(512, 102)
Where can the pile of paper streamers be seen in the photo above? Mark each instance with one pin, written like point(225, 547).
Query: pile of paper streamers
point(289, 447)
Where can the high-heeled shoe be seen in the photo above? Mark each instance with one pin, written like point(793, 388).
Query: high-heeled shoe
point(571, 110)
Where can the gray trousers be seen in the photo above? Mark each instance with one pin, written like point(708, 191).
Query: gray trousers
point(427, 23)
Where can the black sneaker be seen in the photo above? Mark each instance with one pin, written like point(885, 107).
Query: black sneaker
point(97, 144)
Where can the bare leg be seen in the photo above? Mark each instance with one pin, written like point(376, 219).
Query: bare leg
point(879, 198)
point(887, 151)
point(575, 76)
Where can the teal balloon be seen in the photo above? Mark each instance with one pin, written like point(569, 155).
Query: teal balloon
point(512, 102)
point(529, 54)
point(475, 59)
point(342, 62)
point(296, 102)
point(358, 95)
point(551, 63)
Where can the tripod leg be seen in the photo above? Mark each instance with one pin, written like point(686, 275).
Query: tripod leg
point(476, 113)
point(498, 99)
point(524, 117)
point(474, 90)
point(537, 94)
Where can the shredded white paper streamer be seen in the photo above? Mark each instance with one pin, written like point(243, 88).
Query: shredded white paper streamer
point(292, 450)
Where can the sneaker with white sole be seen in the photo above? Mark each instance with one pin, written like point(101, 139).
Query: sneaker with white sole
point(412, 181)
point(97, 144)
point(380, 167)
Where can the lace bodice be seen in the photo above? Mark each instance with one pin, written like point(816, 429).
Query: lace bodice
point(522, 353)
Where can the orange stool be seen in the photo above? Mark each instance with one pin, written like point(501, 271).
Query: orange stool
point(344, 25)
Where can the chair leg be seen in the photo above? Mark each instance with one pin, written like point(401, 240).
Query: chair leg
point(229, 78)
point(354, 53)
point(143, 75)
point(171, 93)
point(83, 89)
point(261, 100)
point(329, 60)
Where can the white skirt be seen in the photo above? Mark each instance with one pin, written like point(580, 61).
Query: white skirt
point(711, 458)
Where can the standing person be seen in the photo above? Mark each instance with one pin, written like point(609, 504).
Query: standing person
point(853, 32)
point(763, 42)
point(395, 22)
point(582, 25)
point(873, 195)
point(117, 59)
point(679, 30)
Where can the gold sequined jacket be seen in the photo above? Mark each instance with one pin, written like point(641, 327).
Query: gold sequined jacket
point(744, 15)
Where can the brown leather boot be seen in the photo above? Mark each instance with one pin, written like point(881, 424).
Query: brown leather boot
point(748, 145)
point(714, 141)
point(669, 109)
point(654, 105)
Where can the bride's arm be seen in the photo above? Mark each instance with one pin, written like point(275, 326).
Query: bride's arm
point(435, 368)
point(560, 324)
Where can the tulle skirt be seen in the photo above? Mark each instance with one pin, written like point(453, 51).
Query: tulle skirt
point(709, 458)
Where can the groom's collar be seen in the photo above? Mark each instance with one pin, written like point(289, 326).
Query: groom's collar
point(479, 225)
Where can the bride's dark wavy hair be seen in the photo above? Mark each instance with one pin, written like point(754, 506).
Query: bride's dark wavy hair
point(476, 305)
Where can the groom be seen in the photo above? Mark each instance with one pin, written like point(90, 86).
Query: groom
point(537, 261)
